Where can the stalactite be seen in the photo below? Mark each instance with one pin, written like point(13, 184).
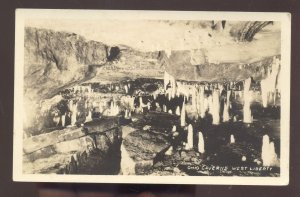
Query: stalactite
point(166, 80)
point(216, 107)
point(194, 97)
point(210, 104)
point(270, 85)
point(247, 102)
point(226, 116)
point(202, 106)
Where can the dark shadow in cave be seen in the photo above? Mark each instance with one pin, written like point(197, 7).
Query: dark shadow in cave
point(114, 54)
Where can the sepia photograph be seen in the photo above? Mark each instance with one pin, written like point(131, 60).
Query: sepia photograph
point(171, 97)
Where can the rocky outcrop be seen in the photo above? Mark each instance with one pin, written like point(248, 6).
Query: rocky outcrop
point(145, 141)
point(54, 60)
point(142, 148)
point(89, 150)
point(193, 66)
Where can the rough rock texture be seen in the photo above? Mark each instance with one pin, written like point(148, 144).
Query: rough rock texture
point(145, 140)
point(180, 64)
point(97, 147)
point(143, 147)
point(53, 59)
point(57, 59)
point(40, 141)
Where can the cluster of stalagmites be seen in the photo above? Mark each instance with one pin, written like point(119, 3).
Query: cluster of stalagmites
point(199, 99)
point(203, 104)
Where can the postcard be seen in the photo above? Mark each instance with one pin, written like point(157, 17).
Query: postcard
point(159, 97)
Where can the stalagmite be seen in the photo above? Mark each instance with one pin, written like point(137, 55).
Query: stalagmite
point(232, 139)
point(126, 89)
point(244, 158)
point(235, 119)
point(141, 102)
point(178, 111)
point(190, 140)
point(273, 154)
point(264, 92)
point(89, 116)
point(169, 151)
point(164, 108)
point(114, 109)
point(247, 102)
point(268, 155)
point(170, 111)
point(56, 119)
point(126, 114)
point(216, 107)
point(158, 108)
point(74, 112)
point(169, 94)
point(174, 128)
point(63, 120)
point(148, 105)
point(265, 156)
point(70, 105)
point(73, 118)
point(226, 116)
point(154, 96)
point(201, 148)
point(182, 116)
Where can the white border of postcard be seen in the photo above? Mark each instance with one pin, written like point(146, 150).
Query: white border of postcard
point(27, 14)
